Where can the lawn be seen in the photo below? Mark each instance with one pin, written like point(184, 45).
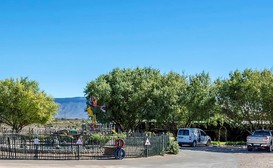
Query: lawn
point(229, 143)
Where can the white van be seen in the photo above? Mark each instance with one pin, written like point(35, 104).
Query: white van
point(193, 137)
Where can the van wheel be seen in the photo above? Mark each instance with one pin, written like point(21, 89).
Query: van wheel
point(208, 143)
point(193, 144)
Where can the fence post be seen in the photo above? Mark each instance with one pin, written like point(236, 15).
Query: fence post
point(78, 152)
point(9, 146)
point(163, 144)
point(14, 145)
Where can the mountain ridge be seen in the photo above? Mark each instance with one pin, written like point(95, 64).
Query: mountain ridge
point(71, 108)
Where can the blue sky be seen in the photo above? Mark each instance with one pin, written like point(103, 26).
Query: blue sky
point(64, 44)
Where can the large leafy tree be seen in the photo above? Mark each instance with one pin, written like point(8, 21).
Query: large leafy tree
point(246, 98)
point(199, 99)
point(165, 101)
point(22, 103)
point(136, 95)
point(266, 92)
point(124, 91)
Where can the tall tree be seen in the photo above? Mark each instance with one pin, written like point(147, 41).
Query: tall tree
point(22, 103)
point(134, 96)
point(246, 98)
point(164, 98)
point(124, 91)
point(266, 92)
point(199, 99)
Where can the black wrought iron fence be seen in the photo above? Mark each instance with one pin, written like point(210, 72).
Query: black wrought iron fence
point(64, 147)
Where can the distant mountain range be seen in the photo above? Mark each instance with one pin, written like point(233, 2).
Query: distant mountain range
point(71, 108)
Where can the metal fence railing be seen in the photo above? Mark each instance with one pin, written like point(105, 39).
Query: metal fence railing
point(58, 147)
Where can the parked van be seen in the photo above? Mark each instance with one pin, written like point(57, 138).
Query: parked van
point(193, 137)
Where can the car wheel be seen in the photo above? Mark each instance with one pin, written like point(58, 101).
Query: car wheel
point(269, 149)
point(208, 143)
point(194, 144)
point(249, 148)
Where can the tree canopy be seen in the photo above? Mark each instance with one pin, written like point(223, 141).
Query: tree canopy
point(136, 95)
point(172, 100)
point(247, 97)
point(199, 99)
point(22, 103)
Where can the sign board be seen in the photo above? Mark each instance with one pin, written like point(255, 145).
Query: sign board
point(147, 143)
point(79, 141)
point(36, 141)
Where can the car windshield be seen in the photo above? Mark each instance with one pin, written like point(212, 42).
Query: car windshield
point(261, 133)
point(183, 132)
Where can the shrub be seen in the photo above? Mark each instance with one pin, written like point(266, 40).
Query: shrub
point(173, 148)
point(99, 138)
point(116, 136)
point(149, 133)
point(102, 139)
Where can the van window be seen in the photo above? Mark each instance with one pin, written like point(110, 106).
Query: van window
point(183, 132)
point(203, 133)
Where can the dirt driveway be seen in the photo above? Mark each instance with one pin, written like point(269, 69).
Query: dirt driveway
point(205, 157)
point(241, 157)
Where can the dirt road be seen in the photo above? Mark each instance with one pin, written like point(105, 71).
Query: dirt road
point(205, 157)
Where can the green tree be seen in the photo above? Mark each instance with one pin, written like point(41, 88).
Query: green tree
point(22, 103)
point(124, 91)
point(199, 99)
point(164, 98)
point(266, 92)
point(246, 98)
point(134, 96)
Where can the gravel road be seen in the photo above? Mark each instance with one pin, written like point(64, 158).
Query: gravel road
point(241, 157)
point(205, 157)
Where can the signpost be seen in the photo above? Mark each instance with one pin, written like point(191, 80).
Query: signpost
point(36, 142)
point(79, 142)
point(147, 144)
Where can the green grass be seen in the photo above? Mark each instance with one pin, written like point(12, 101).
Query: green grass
point(229, 143)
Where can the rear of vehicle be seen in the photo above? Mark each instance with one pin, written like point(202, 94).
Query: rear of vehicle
point(260, 139)
point(185, 136)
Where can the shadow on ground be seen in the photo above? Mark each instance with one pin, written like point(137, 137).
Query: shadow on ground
point(223, 149)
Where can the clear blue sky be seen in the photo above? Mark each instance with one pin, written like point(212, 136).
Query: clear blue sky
point(64, 44)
